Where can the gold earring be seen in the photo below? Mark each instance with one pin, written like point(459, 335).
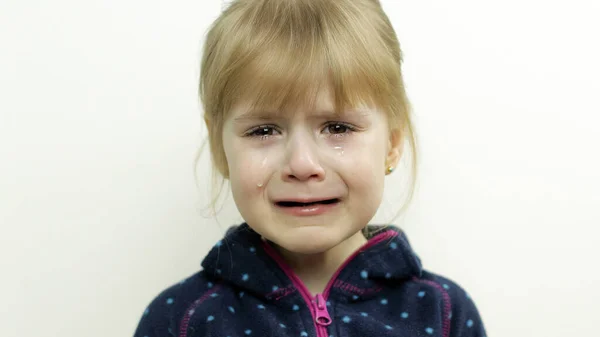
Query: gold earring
point(390, 169)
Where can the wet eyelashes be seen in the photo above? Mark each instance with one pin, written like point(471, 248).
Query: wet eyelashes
point(339, 128)
point(262, 131)
point(334, 129)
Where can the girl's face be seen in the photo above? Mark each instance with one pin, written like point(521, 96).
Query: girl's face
point(308, 180)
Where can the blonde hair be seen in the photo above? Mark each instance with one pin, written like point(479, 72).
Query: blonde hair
point(277, 54)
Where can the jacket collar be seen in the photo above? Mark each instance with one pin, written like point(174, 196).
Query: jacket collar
point(245, 261)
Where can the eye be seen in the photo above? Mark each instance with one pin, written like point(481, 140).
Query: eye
point(262, 131)
point(337, 128)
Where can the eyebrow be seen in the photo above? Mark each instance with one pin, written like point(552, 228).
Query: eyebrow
point(256, 114)
point(266, 114)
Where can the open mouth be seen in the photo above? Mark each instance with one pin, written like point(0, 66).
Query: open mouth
point(306, 204)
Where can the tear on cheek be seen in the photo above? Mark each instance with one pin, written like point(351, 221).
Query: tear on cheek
point(262, 170)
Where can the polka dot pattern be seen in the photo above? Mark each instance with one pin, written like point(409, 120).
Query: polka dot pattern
point(245, 298)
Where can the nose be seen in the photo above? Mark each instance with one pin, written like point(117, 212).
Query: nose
point(302, 159)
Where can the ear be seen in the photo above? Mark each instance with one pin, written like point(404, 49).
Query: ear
point(395, 148)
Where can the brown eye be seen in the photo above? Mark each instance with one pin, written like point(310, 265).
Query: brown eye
point(262, 131)
point(338, 128)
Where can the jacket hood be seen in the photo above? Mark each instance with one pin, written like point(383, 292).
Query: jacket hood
point(246, 261)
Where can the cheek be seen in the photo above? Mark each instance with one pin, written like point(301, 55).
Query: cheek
point(249, 171)
point(363, 166)
point(365, 153)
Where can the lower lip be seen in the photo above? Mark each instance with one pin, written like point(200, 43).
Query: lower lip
point(316, 209)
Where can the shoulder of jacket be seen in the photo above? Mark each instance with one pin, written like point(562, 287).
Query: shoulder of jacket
point(163, 315)
point(465, 320)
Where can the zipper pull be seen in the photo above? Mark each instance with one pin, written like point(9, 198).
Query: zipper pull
point(322, 316)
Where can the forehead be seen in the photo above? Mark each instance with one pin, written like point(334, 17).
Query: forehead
point(322, 105)
point(320, 100)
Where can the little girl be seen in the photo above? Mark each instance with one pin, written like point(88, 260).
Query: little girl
point(307, 113)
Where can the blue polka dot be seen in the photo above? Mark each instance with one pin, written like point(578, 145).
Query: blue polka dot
point(303, 334)
point(252, 249)
point(355, 297)
point(275, 288)
point(364, 314)
point(404, 315)
point(218, 271)
point(384, 301)
point(388, 275)
point(191, 312)
point(209, 284)
point(450, 315)
point(248, 332)
point(219, 244)
point(213, 295)
point(421, 293)
point(470, 323)
point(328, 303)
point(388, 327)
point(146, 311)
point(346, 319)
point(245, 277)
point(364, 274)
point(210, 318)
point(429, 330)
point(282, 325)
point(295, 307)
point(393, 245)
point(169, 300)
point(182, 281)
point(241, 294)
point(260, 306)
point(446, 286)
point(231, 309)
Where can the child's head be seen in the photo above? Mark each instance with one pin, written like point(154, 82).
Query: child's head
point(304, 100)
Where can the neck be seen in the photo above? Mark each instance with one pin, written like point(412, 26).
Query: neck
point(315, 270)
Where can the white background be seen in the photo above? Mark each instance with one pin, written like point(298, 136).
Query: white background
point(99, 124)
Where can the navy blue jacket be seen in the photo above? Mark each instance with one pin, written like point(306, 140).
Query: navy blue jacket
point(246, 289)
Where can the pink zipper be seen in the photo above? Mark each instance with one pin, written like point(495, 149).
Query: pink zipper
point(318, 304)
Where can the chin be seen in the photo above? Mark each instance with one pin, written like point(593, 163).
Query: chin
point(308, 240)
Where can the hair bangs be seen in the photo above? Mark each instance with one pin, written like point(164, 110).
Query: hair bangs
point(284, 67)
